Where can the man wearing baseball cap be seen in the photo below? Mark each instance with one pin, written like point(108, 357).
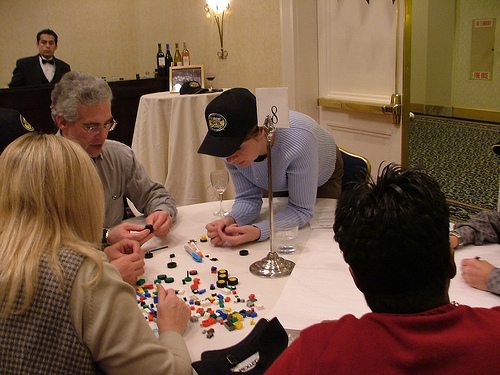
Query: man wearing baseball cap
point(12, 126)
point(306, 164)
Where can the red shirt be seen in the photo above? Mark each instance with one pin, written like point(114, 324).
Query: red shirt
point(447, 340)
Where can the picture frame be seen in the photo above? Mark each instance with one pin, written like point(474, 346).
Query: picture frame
point(180, 74)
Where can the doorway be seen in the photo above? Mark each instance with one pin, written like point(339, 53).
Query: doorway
point(453, 99)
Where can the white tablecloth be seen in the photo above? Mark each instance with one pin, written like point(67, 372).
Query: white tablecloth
point(169, 128)
point(319, 288)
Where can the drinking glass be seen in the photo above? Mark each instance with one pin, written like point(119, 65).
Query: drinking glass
point(286, 239)
point(210, 76)
point(219, 180)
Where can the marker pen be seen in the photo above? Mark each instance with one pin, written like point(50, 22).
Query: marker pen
point(192, 244)
point(193, 253)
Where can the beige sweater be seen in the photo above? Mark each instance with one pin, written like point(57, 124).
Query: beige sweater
point(111, 325)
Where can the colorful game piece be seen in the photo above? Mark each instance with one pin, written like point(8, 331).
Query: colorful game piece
point(221, 283)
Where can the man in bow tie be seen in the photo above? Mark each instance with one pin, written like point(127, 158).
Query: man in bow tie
point(43, 68)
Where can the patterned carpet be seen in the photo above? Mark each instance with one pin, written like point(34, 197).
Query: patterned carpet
point(458, 154)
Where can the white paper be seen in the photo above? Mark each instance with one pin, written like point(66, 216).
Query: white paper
point(324, 215)
point(273, 101)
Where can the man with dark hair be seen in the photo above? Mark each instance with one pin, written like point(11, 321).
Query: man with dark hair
point(393, 234)
point(43, 68)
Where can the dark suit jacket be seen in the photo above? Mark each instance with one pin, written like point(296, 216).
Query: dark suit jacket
point(28, 72)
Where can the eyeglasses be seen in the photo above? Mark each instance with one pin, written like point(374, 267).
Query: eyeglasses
point(94, 129)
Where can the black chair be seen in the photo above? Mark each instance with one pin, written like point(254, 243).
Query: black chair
point(356, 169)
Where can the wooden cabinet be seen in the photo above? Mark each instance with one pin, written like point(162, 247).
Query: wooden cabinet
point(34, 104)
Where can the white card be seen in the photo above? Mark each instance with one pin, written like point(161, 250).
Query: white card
point(273, 102)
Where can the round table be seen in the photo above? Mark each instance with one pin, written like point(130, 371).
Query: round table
point(319, 288)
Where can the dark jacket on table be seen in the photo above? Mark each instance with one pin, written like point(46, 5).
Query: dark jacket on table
point(29, 72)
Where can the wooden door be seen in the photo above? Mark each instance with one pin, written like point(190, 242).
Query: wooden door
point(342, 62)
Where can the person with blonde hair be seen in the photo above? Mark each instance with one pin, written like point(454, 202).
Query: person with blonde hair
point(63, 308)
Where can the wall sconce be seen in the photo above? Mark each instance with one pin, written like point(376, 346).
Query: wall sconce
point(216, 9)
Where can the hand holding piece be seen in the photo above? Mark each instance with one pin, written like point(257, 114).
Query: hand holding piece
point(130, 266)
point(215, 226)
point(130, 231)
point(160, 221)
point(173, 313)
point(225, 231)
point(121, 248)
point(234, 235)
point(475, 272)
point(128, 258)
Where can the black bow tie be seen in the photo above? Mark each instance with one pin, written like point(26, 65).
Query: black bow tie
point(48, 61)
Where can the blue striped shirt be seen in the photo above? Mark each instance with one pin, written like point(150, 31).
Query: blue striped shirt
point(303, 158)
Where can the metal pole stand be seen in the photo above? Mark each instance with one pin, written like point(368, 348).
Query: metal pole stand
point(272, 265)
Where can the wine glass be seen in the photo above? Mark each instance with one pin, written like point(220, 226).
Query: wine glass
point(210, 76)
point(219, 180)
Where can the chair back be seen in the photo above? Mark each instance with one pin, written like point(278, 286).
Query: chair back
point(356, 168)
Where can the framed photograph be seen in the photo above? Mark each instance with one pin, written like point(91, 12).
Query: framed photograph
point(181, 74)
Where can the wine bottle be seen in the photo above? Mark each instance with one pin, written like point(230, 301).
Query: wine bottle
point(160, 61)
point(186, 58)
point(177, 56)
point(169, 61)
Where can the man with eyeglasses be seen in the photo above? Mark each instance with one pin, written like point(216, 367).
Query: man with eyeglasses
point(81, 109)
point(43, 68)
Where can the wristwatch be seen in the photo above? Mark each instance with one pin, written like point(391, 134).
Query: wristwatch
point(105, 236)
point(458, 236)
